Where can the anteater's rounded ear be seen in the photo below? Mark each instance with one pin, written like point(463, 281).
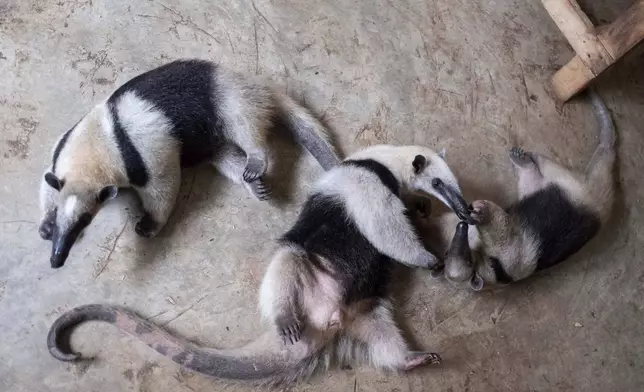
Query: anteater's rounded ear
point(419, 163)
point(53, 181)
point(107, 193)
point(477, 282)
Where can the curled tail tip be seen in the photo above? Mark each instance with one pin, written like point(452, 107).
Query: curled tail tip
point(68, 321)
point(65, 357)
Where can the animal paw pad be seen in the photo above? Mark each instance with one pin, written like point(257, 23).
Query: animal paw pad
point(255, 168)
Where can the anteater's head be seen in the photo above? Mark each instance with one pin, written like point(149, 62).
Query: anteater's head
point(430, 174)
point(423, 171)
point(78, 202)
point(500, 247)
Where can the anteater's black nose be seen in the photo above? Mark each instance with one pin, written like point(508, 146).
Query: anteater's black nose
point(57, 261)
point(58, 256)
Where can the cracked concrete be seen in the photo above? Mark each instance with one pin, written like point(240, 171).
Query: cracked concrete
point(467, 76)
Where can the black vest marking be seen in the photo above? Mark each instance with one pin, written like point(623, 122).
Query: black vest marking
point(59, 148)
point(137, 172)
point(500, 273)
point(385, 175)
point(561, 227)
point(186, 93)
point(324, 228)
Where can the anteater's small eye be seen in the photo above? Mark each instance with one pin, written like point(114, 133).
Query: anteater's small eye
point(107, 193)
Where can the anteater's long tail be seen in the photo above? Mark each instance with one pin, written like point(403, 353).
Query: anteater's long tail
point(599, 172)
point(309, 131)
point(261, 361)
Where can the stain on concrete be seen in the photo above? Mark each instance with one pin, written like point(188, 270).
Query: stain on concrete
point(375, 132)
point(145, 377)
point(146, 370)
point(21, 57)
point(81, 367)
point(103, 81)
point(19, 147)
point(129, 375)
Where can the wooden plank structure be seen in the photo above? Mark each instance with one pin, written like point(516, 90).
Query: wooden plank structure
point(597, 48)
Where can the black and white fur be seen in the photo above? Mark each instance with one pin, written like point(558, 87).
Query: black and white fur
point(326, 290)
point(557, 213)
point(180, 114)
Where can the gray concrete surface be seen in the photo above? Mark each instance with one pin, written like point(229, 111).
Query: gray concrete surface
point(466, 75)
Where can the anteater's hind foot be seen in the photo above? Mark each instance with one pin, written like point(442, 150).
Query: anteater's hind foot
point(419, 358)
point(521, 158)
point(231, 162)
point(530, 175)
point(255, 167)
point(386, 346)
point(260, 189)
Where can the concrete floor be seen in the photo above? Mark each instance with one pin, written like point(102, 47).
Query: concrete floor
point(470, 76)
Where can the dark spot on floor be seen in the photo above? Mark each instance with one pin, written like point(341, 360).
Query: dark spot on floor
point(146, 370)
point(143, 328)
point(102, 81)
point(181, 357)
point(81, 367)
point(19, 147)
point(129, 375)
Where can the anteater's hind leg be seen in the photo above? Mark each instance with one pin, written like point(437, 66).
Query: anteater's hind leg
point(386, 346)
point(247, 133)
point(279, 296)
point(530, 177)
point(246, 111)
point(537, 171)
point(231, 162)
point(247, 130)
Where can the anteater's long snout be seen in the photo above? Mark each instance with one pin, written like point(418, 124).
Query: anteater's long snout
point(454, 200)
point(62, 242)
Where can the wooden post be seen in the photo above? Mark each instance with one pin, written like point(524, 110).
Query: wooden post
point(596, 48)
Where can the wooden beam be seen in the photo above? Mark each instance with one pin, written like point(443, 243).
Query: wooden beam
point(571, 79)
point(597, 49)
point(580, 33)
point(624, 33)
